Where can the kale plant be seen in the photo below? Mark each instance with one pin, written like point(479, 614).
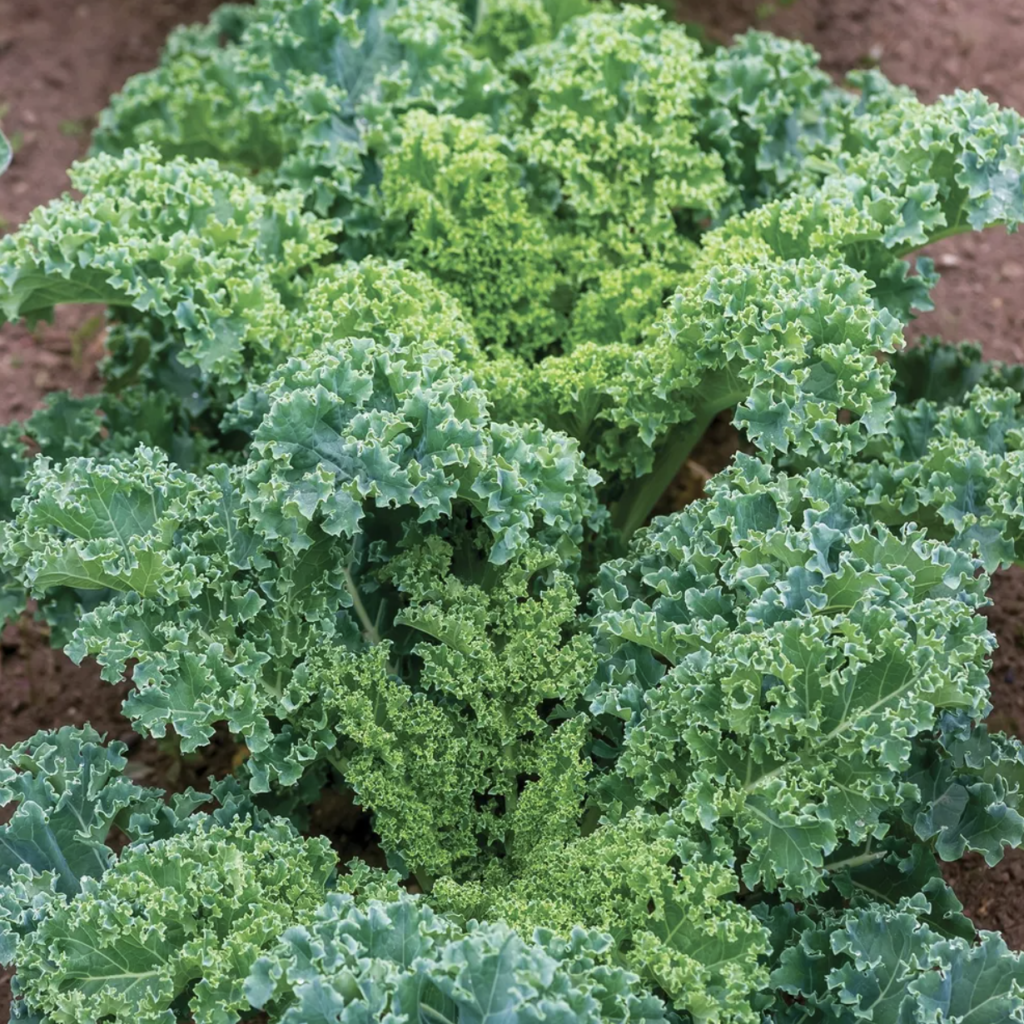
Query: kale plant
point(415, 311)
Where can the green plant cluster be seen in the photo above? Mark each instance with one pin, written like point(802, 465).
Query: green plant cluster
point(415, 311)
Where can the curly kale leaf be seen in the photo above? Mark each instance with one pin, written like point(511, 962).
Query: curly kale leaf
point(777, 118)
point(375, 297)
point(453, 731)
point(123, 520)
point(951, 459)
point(174, 922)
point(850, 232)
point(608, 108)
point(401, 960)
point(192, 244)
point(921, 173)
point(68, 791)
point(888, 965)
point(666, 900)
point(453, 196)
point(67, 427)
point(968, 792)
point(306, 95)
point(808, 651)
point(212, 620)
point(367, 422)
point(502, 30)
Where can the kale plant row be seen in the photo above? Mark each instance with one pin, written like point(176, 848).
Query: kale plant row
point(415, 311)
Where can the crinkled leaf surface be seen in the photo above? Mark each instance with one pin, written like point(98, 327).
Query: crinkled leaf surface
point(402, 960)
point(188, 914)
point(808, 652)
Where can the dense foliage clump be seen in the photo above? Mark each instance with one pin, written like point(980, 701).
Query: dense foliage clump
point(415, 312)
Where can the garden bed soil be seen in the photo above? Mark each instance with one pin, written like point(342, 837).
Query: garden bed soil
point(61, 59)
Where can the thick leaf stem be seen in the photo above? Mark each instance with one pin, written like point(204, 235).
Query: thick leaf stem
point(337, 762)
point(634, 508)
point(370, 630)
point(859, 861)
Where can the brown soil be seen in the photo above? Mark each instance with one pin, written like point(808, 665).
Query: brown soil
point(61, 59)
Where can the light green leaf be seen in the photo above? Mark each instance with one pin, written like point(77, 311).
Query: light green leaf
point(189, 914)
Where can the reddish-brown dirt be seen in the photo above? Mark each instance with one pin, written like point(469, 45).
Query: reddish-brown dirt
point(61, 59)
